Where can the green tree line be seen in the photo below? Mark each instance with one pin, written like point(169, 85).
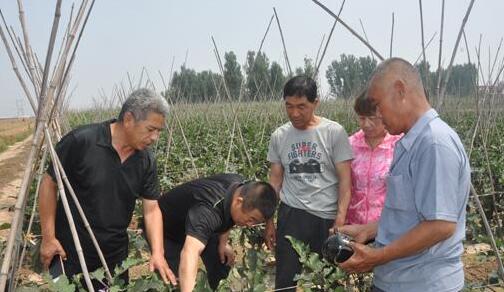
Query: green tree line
point(262, 79)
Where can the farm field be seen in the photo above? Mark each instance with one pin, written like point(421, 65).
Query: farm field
point(13, 130)
point(223, 112)
point(203, 139)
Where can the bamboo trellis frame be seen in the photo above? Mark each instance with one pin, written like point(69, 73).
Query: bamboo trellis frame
point(50, 96)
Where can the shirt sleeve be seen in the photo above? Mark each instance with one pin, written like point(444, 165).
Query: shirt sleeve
point(201, 222)
point(273, 155)
point(151, 190)
point(436, 183)
point(341, 148)
point(64, 149)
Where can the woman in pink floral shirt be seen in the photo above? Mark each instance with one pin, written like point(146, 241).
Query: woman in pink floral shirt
point(373, 149)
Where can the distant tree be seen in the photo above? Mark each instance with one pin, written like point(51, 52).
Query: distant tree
point(308, 69)
point(208, 83)
point(190, 86)
point(349, 74)
point(429, 79)
point(232, 74)
point(276, 77)
point(257, 69)
point(462, 80)
point(182, 84)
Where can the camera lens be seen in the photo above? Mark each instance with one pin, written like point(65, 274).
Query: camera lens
point(336, 248)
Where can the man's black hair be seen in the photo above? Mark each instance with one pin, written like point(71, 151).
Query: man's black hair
point(301, 86)
point(260, 196)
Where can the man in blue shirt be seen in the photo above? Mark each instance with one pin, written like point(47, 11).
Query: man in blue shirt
point(420, 232)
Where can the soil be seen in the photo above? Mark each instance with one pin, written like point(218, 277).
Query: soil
point(13, 126)
point(12, 166)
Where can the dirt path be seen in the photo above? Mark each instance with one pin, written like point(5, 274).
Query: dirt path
point(12, 165)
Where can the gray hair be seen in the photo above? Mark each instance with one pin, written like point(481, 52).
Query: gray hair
point(141, 102)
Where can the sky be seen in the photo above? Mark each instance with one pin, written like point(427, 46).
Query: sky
point(124, 36)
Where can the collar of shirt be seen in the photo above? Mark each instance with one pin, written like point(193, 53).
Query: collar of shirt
point(105, 137)
point(360, 141)
point(225, 204)
point(409, 139)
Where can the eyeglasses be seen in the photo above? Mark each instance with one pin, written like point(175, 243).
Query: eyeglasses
point(371, 119)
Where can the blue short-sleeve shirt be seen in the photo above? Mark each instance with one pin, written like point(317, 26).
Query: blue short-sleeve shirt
point(429, 180)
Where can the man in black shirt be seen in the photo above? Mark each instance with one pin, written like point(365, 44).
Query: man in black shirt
point(197, 218)
point(109, 167)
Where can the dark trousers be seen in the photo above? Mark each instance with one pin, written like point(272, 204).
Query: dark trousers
point(72, 268)
point(302, 226)
point(216, 270)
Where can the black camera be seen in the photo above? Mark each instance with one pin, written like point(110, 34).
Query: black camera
point(336, 248)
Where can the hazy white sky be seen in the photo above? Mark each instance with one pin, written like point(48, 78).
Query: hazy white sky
point(125, 35)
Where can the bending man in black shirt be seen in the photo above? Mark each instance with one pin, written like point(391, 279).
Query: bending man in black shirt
point(109, 167)
point(197, 218)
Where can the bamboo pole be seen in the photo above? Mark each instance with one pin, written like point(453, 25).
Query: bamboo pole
point(34, 207)
point(265, 34)
point(478, 51)
point(454, 53)
point(27, 178)
point(353, 32)
point(495, 60)
point(365, 37)
point(68, 212)
point(52, 38)
point(16, 71)
point(328, 40)
point(235, 119)
point(392, 34)
point(439, 71)
point(318, 55)
point(72, 58)
point(177, 119)
point(489, 232)
point(17, 45)
point(283, 42)
point(42, 117)
point(28, 51)
point(426, 47)
point(425, 67)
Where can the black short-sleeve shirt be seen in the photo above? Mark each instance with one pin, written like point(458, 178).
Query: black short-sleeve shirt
point(199, 208)
point(106, 188)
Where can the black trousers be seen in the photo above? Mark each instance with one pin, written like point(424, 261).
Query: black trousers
point(302, 226)
point(73, 267)
point(216, 270)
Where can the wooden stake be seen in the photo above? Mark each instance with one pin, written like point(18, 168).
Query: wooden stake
point(392, 35)
point(68, 212)
point(439, 69)
point(283, 42)
point(426, 68)
point(349, 29)
point(454, 53)
point(328, 40)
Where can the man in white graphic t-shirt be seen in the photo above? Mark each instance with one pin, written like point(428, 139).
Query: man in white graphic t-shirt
point(310, 170)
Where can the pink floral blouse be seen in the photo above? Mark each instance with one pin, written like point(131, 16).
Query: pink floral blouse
point(369, 170)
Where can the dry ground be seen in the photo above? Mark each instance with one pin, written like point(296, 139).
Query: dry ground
point(12, 164)
point(13, 130)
